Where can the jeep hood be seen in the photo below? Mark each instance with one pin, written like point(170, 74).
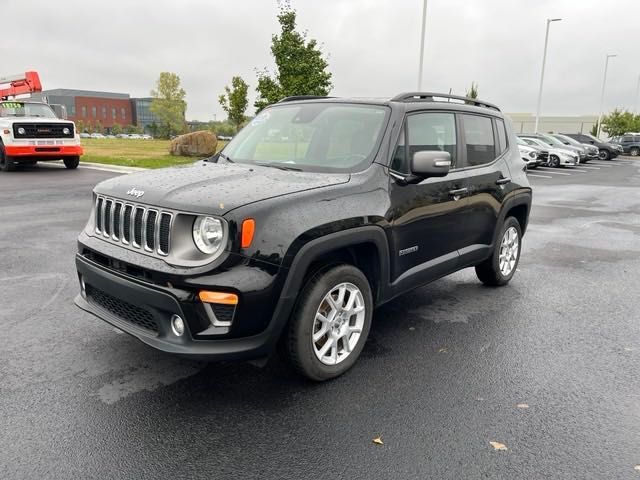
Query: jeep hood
point(213, 188)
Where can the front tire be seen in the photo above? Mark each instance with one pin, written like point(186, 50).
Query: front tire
point(634, 152)
point(604, 155)
point(554, 161)
point(499, 268)
point(330, 324)
point(6, 162)
point(71, 162)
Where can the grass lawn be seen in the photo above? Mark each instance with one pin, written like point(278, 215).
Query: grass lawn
point(133, 152)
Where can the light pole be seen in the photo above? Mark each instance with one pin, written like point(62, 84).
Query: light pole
point(604, 83)
point(422, 34)
point(637, 109)
point(544, 61)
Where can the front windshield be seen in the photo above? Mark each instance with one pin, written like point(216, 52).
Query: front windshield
point(591, 137)
point(568, 140)
point(25, 109)
point(315, 137)
point(552, 141)
point(521, 141)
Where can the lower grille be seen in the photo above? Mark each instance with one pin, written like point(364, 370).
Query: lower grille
point(121, 309)
point(223, 313)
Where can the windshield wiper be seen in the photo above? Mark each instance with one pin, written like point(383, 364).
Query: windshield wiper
point(225, 157)
point(279, 166)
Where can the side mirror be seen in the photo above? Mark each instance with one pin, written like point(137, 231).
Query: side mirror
point(433, 163)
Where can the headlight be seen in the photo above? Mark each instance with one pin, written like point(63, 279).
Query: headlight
point(533, 154)
point(66, 131)
point(21, 131)
point(208, 234)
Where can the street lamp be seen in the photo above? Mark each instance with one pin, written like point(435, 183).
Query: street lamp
point(637, 105)
point(422, 33)
point(544, 61)
point(604, 82)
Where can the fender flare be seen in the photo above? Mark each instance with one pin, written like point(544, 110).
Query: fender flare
point(314, 249)
point(523, 198)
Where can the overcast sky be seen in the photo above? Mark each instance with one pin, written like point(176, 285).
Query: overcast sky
point(372, 47)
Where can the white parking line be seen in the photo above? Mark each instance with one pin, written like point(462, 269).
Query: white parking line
point(589, 167)
point(606, 165)
point(549, 170)
point(537, 176)
point(573, 169)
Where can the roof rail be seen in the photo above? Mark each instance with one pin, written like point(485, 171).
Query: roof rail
point(302, 97)
point(434, 97)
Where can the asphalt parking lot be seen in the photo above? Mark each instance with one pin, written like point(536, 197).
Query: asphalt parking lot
point(547, 366)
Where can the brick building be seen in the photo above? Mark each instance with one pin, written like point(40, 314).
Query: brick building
point(103, 108)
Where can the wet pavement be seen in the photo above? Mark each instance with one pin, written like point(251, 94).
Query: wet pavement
point(547, 366)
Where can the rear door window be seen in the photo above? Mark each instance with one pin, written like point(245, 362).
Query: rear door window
point(479, 139)
point(502, 136)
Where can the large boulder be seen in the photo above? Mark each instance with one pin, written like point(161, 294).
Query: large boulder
point(195, 144)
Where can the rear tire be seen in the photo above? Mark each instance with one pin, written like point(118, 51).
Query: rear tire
point(6, 162)
point(499, 268)
point(347, 328)
point(634, 152)
point(71, 162)
point(554, 161)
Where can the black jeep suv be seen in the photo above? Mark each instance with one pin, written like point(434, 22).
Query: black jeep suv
point(318, 211)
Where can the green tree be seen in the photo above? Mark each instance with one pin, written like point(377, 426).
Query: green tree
point(153, 129)
point(116, 129)
point(473, 91)
point(79, 126)
point(97, 127)
point(235, 101)
point(594, 130)
point(300, 66)
point(620, 122)
point(168, 104)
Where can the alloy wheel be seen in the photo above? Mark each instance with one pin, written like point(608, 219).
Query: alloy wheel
point(338, 323)
point(509, 249)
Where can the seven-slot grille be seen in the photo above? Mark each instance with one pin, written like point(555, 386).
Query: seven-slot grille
point(135, 226)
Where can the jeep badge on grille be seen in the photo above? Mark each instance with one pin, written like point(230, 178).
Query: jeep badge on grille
point(135, 193)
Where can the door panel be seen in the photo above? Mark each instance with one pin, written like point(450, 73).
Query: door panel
point(426, 217)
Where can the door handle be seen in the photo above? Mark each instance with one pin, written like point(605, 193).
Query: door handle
point(503, 181)
point(456, 194)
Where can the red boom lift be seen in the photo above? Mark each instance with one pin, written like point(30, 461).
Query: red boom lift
point(29, 82)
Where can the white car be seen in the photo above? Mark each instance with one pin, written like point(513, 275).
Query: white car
point(97, 135)
point(557, 156)
point(529, 155)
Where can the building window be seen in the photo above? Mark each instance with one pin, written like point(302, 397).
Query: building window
point(104, 112)
point(84, 111)
point(72, 110)
point(113, 113)
point(123, 113)
point(94, 112)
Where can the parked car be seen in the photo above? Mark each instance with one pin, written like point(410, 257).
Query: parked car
point(531, 155)
point(556, 156)
point(630, 143)
point(553, 142)
point(136, 136)
point(147, 137)
point(229, 257)
point(122, 135)
point(85, 135)
point(110, 136)
point(97, 135)
point(592, 150)
point(606, 150)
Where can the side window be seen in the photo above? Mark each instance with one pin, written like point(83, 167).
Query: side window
point(426, 131)
point(502, 136)
point(478, 137)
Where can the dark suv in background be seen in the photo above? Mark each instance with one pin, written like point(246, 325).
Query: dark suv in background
point(629, 142)
point(318, 211)
point(607, 151)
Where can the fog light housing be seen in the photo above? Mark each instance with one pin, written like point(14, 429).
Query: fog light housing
point(66, 131)
point(177, 326)
point(83, 288)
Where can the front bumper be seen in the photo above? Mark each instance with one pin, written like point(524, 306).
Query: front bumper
point(145, 310)
point(53, 151)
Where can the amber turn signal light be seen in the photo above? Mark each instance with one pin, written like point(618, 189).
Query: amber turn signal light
point(218, 297)
point(248, 229)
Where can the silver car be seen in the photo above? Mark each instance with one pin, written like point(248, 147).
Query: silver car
point(592, 150)
point(557, 156)
point(553, 142)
